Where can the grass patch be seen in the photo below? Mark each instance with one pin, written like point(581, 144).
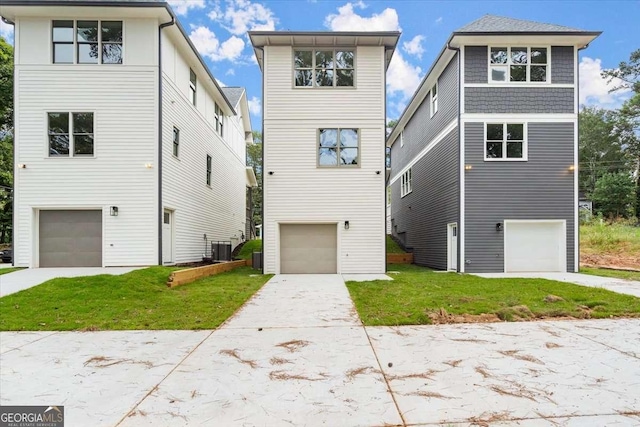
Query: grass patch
point(393, 247)
point(250, 247)
point(420, 296)
point(599, 238)
point(618, 274)
point(136, 300)
point(9, 270)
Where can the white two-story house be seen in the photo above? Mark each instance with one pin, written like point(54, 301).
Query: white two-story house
point(324, 150)
point(127, 151)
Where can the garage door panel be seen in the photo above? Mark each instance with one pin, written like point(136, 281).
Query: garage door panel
point(535, 246)
point(308, 249)
point(70, 238)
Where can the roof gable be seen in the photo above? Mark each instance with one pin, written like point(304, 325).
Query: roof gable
point(233, 94)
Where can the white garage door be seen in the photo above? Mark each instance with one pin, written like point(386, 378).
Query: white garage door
point(535, 246)
point(70, 238)
point(308, 249)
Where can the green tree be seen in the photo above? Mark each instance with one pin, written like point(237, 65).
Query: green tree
point(614, 195)
point(6, 140)
point(254, 159)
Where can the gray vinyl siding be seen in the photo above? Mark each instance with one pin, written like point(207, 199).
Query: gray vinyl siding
point(540, 188)
point(422, 128)
point(476, 64)
point(420, 219)
point(521, 100)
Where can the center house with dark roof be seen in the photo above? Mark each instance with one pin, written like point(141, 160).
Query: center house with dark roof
point(484, 160)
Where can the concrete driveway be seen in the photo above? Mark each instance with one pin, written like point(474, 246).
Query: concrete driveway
point(297, 354)
point(30, 277)
point(616, 285)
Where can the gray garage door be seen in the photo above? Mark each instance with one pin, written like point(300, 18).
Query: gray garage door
point(308, 249)
point(70, 238)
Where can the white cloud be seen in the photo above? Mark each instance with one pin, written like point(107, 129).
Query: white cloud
point(6, 31)
point(208, 45)
point(241, 16)
point(439, 20)
point(414, 46)
point(182, 7)
point(230, 72)
point(347, 20)
point(221, 83)
point(594, 90)
point(402, 77)
point(255, 106)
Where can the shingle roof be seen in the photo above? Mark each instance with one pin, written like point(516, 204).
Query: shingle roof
point(233, 94)
point(500, 24)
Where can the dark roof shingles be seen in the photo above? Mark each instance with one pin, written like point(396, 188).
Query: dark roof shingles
point(500, 24)
point(233, 94)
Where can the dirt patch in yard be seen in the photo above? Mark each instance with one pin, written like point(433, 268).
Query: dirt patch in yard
point(442, 317)
point(620, 260)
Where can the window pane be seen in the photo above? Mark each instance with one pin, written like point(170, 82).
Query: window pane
point(494, 150)
point(192, 77)
point(82, 122)
point(495, 132)
point(344, 78)
point(83, 145)
point(349, 156)
point(515, 132)
point(58, 145)
point(348, 137)
point(518, 55)
point(62, 31)
point(328, 157)
point(328, 137)
point(112, 31)
point(538, 73)
point(303, 59)
point(324, 59)
point(303, 77)
point(518, 73)
point(514, 150)
point(434, 91)
point(88, 53)
point(498, 74)
point(63, 53)
point(344, 59)
point(87, 31)
point(58, 123)
point(111, 53)
point(498, 55)
point(324, 77)
point(538, 55)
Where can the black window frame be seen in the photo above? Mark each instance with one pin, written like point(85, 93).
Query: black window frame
point(71, 134)
point(176, 143)
point(209, 168)
point(76, 43)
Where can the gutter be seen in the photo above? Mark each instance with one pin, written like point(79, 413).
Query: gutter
point(160, 204)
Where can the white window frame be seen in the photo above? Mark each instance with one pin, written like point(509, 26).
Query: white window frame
point(314, 68)
point(401, 139)
point(405, 183)
point(76, 44)
point(71, 136)
point(508, 65)
point(525, 145)
point(193, 87)
point(209, 169)
point(338, 148)
point(434, 98)
point(218, 118)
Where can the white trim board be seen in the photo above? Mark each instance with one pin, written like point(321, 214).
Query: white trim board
point(439, 137)
point(539, 118)
point(520, 85)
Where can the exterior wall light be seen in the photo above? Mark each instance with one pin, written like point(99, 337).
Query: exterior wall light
point(113, 211)
point(498, 226)
point(148, 165)
point(468, 167)
point(22, 166)
point(572, 168)
point(346, 225)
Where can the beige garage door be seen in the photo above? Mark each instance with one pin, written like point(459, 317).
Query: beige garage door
point(308, 249)
point(70, 238)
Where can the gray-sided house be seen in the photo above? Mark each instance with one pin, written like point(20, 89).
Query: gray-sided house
point(484, 158)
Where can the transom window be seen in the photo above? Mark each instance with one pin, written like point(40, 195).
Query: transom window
point(87, 42)
point(70, 134)
point(505, 141)
point(218, 116)
point(176, 141)
point(518, 64)
point(327, 67)
point(338, 147)
point(193, 84)
point(208, 170)
point(434, 99)
point(405, 183)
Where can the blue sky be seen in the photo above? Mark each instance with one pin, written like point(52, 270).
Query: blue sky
point(218, 28)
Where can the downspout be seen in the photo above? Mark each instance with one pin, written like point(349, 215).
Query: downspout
point(460, 154)
point(15, 187)
point(160, 204)
point(264, 223)
point(576, 226)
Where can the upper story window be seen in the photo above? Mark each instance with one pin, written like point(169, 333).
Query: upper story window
point(518, 64)
point(320, 68)
point(218, 116)
point(402, 139)
point(193, 84)
point(176, 141)
point(70, 134)
point(338, 147)
point(208, 170)
point(505, 141)
point(434, 99)
point(87, 42)
point(405, 183)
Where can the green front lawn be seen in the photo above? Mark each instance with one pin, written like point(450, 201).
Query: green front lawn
point(250, 247)
point(9, 270)
point(137, 300)
point(420, 296)
point(618, 274)
point(393, 247)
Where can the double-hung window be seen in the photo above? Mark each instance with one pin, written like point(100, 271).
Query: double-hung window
point(434, 99)
point(338, 147)
point(87, 42)
point(70, 134)
point(518, 64)
point(208, 170)
point(405, 183)
point(176, 141)
point(218, 116)
point(505, 141)
point(323, 68)
point(193, 85)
